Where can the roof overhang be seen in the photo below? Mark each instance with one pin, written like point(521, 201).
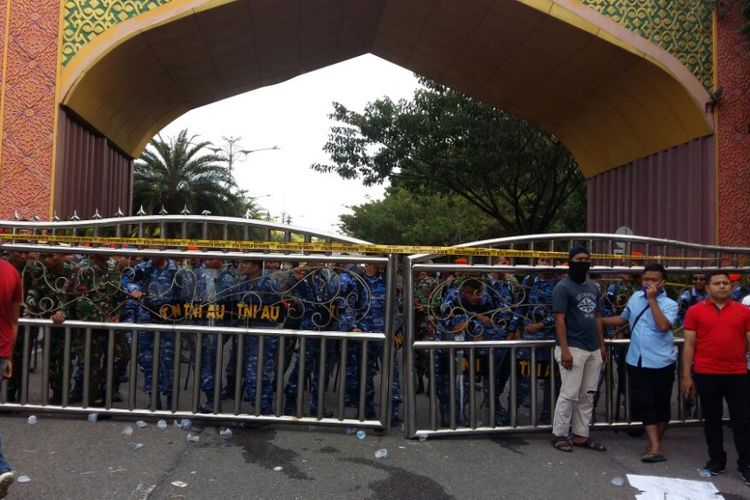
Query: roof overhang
point(608, 94)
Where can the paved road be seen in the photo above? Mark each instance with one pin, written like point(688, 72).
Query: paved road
point(72, 458)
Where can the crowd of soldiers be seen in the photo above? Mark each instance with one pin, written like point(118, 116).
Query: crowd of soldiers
point(211, 292)
point(266, 295)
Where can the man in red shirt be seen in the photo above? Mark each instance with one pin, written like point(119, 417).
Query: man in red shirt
point(11, 294)
point(717, 335)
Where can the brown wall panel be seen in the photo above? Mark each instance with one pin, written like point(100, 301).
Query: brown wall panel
point(90, 172)
point(671, 194)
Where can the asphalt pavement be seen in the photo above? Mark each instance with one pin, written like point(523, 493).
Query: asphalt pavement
point(71, 458)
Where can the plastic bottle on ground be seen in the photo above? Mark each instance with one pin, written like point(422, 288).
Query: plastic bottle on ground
point(32, 419)
point(381, 453)
point(361, 435)
point(161, 424)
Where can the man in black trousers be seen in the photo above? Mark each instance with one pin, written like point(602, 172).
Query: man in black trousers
point(717, 333)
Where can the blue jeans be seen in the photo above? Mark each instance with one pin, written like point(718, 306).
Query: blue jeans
point(4, 465)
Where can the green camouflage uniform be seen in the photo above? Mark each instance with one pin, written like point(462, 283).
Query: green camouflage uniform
point(95, 295)
point(47, 295)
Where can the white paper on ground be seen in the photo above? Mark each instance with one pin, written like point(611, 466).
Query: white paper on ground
point(669, 488)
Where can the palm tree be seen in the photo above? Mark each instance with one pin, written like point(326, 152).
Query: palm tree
point(175, 173)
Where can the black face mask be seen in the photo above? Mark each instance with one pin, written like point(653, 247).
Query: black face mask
point(577, 271)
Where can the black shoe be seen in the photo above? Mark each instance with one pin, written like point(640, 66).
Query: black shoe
point(716, 467)
point(266, 410)
point(55, 399)
point(745, 473)
point(207, 407)
point(75, 397)
point(227, 393)
point(326, 412)
point(117, 397)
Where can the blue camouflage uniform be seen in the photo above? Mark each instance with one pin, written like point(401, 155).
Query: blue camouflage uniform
point(454, 312)
point(688, 298)
point(263, 297)
point(615, 300)
point(739, 292)
point(538, 309)
point(316, 293)
point(368, 305)
point(345, 300)
point(163, 288)
point(508, 319)
point(212, 293)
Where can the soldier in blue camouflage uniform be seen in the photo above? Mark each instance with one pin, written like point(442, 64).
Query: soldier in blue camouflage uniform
point(691, 296)
point(507, 319)
point(157, 283)
point(615, 300)
point(315, 290)
point(367, 304)
point(211, 287)
point(133, 311)
point(260, 306)
point(469, 312)
point(539, 324)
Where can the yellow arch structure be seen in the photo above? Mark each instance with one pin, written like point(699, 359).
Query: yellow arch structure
point(608, 94)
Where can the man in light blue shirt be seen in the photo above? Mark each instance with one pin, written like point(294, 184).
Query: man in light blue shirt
point(651, 356)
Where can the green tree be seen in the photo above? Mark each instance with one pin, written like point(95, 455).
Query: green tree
point(177, 173)
point(441, 141)
point(402, 217)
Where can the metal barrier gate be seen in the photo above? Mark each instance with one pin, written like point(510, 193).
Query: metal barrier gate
point(294, 336)
point(187, 332)
point(478, 380)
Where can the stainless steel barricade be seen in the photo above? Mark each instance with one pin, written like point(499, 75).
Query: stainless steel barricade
point(176, 358)
point(338, 364)
point(485, 382)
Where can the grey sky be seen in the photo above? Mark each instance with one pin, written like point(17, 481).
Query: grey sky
point(294, 116)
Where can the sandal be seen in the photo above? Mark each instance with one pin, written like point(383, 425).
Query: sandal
point(651, 457)
point(591, 445)
point(562, 444)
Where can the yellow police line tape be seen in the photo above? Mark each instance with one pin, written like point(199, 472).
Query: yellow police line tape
point(316, 247)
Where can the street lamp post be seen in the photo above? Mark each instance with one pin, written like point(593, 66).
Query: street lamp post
point(231, 151)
